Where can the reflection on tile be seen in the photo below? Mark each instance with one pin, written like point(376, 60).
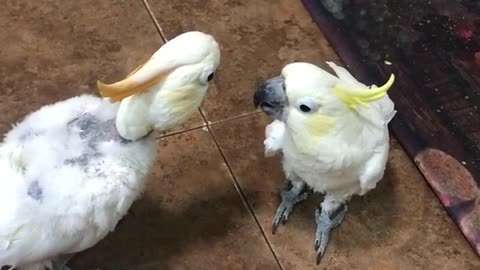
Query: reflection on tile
point(52, 50)
point(190, 217)
point(399, 225)
point(257, 39)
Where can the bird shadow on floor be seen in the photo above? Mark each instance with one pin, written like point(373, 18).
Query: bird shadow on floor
point(207, 227)
point(175, 235)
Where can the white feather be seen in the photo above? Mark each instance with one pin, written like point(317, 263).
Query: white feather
point(348, 160)
point(274, 136)
point(68, 177)
point(78, 205)
point(186, 60)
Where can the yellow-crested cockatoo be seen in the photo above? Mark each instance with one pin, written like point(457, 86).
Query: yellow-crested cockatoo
point(71, 170)
point(333, 135)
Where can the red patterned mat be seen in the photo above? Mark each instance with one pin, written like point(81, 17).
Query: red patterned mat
point(433, 47)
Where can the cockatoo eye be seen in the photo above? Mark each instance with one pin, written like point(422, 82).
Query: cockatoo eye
point(307, 106)
point(210, 77)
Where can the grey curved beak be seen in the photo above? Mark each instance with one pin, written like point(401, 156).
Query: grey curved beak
point(271, 98)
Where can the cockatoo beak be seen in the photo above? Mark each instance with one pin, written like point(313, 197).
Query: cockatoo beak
point(138, 81)
point(271, 97)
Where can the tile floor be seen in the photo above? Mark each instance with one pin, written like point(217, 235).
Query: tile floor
point(212, 194)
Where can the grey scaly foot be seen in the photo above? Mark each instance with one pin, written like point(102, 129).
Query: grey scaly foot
point(291, 195)
point(324, 226)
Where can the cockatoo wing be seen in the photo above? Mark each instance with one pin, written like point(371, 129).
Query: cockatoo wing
point(374, 169)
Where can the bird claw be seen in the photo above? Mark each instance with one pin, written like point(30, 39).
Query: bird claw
point(281, 216)
point(324, 227)
point(319, 256)
point(290, 197)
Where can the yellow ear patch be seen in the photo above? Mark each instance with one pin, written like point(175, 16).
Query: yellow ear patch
point(354, 97)
point(320, 125)
point(185, 93)
point(184, 98)
point(127, 87)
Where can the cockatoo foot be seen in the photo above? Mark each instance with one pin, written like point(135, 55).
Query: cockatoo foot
point(291, 195)
point(325, 224)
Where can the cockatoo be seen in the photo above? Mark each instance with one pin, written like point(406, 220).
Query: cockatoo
point(71, 170)
point(333, 134)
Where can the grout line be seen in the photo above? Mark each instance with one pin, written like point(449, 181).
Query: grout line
point(234, 118)
point(244, 197)
point(208, 125)
point(178, 132)
point(203, 117)
point(236, 184)
point(155, 22)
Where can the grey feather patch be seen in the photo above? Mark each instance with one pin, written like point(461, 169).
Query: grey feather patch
point(82, 160)
point(104, 132)
point(94, 131)
point(35, 191)
point(84, 122)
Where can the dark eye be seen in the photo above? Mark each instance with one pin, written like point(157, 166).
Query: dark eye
point(305, 108)
point(210, 77)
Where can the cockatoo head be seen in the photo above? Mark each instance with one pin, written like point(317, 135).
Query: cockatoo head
point(306, 97)
point(168, 88)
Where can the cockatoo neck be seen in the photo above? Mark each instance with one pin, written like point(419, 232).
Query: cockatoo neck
point(173, 106)
point(161, 108)
point(133, 121)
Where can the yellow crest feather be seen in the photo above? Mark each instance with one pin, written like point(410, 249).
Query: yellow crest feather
point(354, 97)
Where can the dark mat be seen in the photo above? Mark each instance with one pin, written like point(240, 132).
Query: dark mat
point(433, 48)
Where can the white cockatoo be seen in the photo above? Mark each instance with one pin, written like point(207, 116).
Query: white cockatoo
point(71, 170)
point(333, 134)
